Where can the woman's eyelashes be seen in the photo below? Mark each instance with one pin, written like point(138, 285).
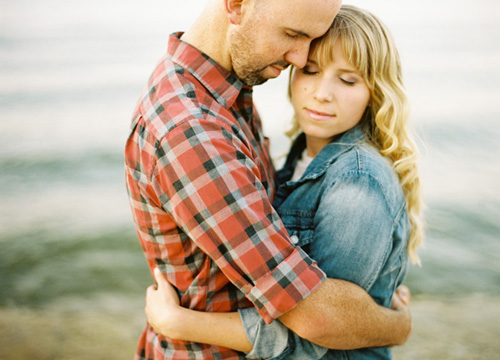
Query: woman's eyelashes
point(310, 69)
point(314, 70)
point(348, 81)
point(309, 72)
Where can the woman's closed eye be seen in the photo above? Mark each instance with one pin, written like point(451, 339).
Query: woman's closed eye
point(350, 82)
point(310, 69)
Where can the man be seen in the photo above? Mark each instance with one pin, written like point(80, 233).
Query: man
point(200, 184)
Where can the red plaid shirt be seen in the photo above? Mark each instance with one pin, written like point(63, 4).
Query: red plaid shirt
point(200, 183)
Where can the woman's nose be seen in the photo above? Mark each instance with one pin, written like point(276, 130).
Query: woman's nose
point(324, 91)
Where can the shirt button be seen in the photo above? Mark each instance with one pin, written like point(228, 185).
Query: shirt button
point(294, 239)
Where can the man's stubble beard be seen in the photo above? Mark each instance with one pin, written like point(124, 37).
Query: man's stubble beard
point(242, 59)
point(246, 63)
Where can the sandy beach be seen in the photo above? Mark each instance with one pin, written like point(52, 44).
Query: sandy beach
point(464, 328)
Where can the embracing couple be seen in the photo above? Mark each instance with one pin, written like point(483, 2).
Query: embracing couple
point(304, 263)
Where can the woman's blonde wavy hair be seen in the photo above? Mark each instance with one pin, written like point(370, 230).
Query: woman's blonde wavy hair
point(368, 46)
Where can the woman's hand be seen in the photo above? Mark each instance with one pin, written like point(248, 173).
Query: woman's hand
point(169, 319)
point(401, 302)
point(162, 307)
point(401, 298)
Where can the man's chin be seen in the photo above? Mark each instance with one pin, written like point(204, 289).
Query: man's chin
point(253, 80)
point(260, 77)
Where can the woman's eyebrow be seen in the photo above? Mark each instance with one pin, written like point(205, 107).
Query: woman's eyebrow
point(352, 71)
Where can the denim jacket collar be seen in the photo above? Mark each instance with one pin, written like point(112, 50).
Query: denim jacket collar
point(323, 160)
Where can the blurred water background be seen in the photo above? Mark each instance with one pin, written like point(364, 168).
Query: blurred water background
point(72, 274)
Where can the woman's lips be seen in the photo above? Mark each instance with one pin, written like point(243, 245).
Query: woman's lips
point(318, 115)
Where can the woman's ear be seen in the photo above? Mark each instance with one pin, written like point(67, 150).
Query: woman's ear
point(234, 10)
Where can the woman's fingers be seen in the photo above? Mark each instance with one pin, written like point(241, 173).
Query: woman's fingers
point(162, 306)
point(159, 278)
point(404, 294)
point(150, 290)
point(401, 298)
point(165, 289)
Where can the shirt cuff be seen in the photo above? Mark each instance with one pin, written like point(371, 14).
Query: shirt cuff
point(275, 341)
point(290, 282)
point(268, 341)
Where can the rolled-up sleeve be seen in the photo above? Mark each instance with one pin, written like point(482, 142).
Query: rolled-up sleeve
point(268, 341)
point(206, 179)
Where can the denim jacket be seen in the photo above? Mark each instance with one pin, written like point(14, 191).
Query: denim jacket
point(348, 213)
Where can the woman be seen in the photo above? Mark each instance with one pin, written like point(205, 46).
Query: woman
point(349, 192)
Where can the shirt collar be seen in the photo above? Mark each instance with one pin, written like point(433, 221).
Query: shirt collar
point(329, 154)
point(224, 86)
point(326, 156)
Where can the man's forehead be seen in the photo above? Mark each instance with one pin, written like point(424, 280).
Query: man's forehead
point(309, 18)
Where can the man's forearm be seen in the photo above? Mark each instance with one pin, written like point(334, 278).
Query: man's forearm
point(341, 315)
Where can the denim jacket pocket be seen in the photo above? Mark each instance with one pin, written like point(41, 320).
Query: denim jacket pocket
point(300, 226)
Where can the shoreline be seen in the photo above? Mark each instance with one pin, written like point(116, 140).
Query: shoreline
point(464, 327)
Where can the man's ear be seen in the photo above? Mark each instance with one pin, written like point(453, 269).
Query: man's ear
point(234, 10)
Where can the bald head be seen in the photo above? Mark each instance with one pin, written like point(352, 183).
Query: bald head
point(256, 39)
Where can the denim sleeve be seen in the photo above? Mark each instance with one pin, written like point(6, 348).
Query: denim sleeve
point(275, 341)
point(352, 239)
point(353, 230)
point(269, 341)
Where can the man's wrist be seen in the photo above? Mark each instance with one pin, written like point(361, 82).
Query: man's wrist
point(401, 329)
point(407, 327)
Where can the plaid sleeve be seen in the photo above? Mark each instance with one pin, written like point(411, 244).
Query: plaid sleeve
point(206, 178)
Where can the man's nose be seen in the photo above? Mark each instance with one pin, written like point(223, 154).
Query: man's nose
point(298, 55)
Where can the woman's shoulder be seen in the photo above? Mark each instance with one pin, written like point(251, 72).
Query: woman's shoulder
point(363, 160)
point(361, 157)
point(371, 161)
point(353, 153)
